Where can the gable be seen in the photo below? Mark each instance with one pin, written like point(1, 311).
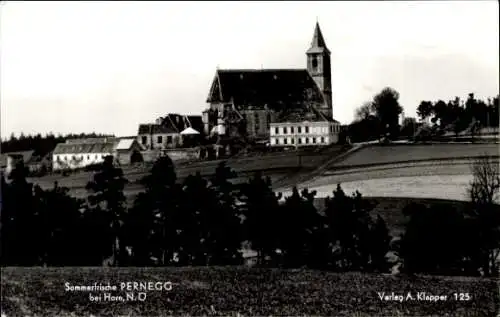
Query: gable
point(215, 92)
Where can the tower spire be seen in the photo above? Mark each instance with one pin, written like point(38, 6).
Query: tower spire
point(318, 41)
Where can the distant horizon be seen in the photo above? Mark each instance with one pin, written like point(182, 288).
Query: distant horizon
point(137, 61)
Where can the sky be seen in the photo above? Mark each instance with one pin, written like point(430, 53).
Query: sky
point(71, 67)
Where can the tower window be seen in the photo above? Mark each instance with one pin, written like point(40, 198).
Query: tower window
point(315, 62)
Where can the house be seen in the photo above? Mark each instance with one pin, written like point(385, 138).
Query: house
point(9, 160)
point(308, 127)
point(245, 102)
point(128, 151)
point(165, 133)
point(78, 153)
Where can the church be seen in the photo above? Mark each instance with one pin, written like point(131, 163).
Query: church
point(245, 102)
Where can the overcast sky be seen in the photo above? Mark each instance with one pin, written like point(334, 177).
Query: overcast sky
point(108, 66)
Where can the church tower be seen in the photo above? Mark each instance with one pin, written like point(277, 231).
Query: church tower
point(318, 65)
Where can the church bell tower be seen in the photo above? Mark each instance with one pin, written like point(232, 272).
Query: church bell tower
point(318, 65)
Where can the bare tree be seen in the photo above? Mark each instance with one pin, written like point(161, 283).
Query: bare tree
point(485, 186)
point(483, 191)
point(365, 111)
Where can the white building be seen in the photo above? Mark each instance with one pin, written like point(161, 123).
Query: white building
point(78, 153)
point(309, 129)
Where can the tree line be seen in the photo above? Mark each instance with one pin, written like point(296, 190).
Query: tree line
point(41, 145)
point(378, 118)
point(207, 221)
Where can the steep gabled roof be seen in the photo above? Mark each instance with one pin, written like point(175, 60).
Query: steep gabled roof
point(152, 128)
point(307, 113)
point(264, 86)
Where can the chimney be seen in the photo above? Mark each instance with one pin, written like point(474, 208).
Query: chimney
point(158, 121)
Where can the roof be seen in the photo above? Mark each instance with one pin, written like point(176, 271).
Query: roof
point(272, 87)
point(152, 128)
point(195, 122)
point(98, 147)
point(171, 123)
point(318, 44)
point(124, 144)
point(189, 131)
point(310, 114)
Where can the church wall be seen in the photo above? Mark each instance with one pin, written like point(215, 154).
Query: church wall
point(258, 122)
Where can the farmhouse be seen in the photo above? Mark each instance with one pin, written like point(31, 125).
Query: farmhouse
point(307, 128)
point(78, 153)
point(165, 133)
point(245, 102)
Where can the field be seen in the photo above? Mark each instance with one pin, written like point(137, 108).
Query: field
point(217, 291)
point(376, 154)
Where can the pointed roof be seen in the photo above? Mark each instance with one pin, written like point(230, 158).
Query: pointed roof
point(318, 44)
point(189, 131)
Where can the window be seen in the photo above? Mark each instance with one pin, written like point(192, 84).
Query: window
point(291, 130)
point(307, 129)
point(144, 140)
point(284, 130)
point(307, 140)
point(285, 140)
point(275, 141)
point(300, 140)
point(169, 139)
point(314, 140)
point(299, 129)
point(88, 157)
point(276, 130)
point(314, 62)
point(159, 139)
point(322, 139)
point(292, 141)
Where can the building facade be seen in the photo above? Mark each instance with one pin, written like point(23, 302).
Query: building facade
point(309, 129)
point(78, 153)
point(165, 133)
point(245, 102)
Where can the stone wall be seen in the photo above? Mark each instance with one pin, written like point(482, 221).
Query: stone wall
point(185, 154)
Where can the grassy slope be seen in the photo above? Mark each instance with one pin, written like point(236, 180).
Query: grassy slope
point(250, 292)
point(377, 154)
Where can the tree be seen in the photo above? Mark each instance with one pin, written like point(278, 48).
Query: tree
point(299, 228)
point(359, 242)
point(225, 219)
point(387, 109)
point(483, 192)
point(20, 221)
point(153, 223)
point(107, 204)
point(409, 127)
point(365, 111)
point(426, 248)
point(261, 211)
point(425, 109)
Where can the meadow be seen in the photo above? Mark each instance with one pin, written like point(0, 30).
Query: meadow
point(216, 291)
